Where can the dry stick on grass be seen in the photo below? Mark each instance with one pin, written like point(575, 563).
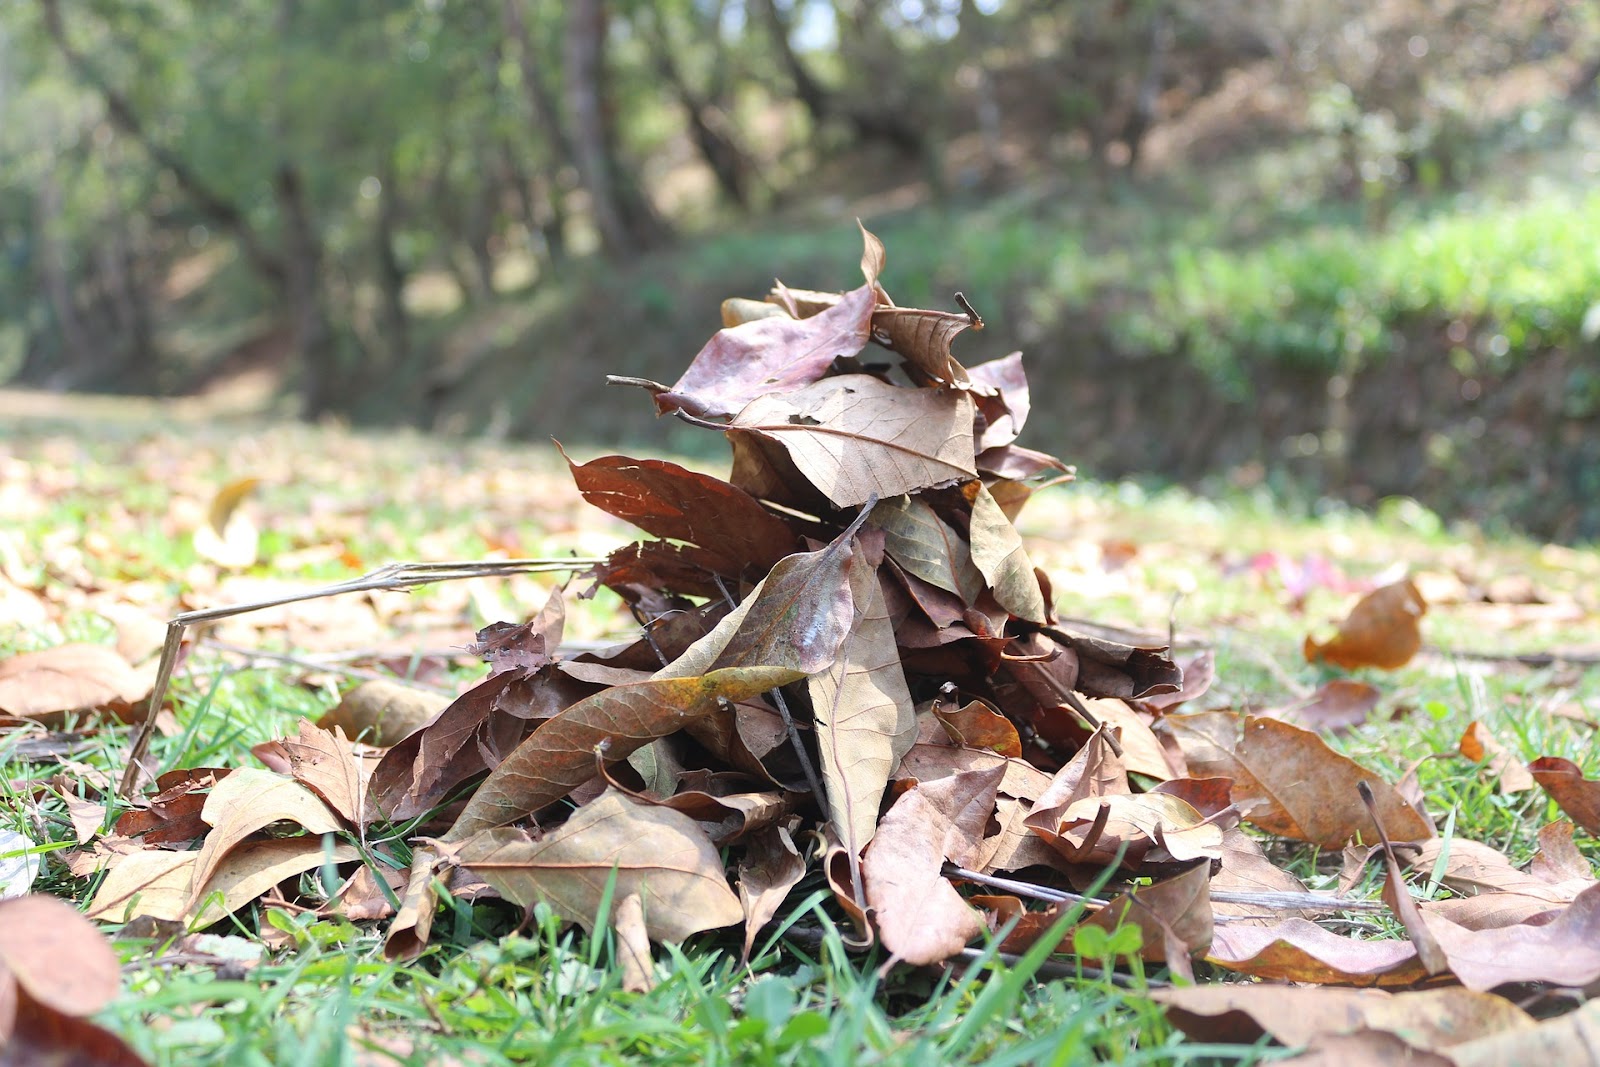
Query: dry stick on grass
point(393, 576)
point(330, 666)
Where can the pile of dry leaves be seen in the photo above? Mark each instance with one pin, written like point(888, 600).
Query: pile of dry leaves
point(847, 660)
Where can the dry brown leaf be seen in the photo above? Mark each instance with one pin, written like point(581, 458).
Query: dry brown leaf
point(324, 762)
point(1473, 868)
point(35, 1035)
point(1430, 1020)
point(382, 713)
point(1569, 1039)
point(1576, 795)
point(864, 718)
point(1558, 859)
point(1141, 827)
point(158, 884)
point(770, 868)
point(855, 437)
point(1336, 706)
point(78, 679)
point(1000, 557)
point(1296, 950)
point(1245, 868)
point(1480, 746)
point(87, 817)
point(633, 945)
point(1383, 630)
point(1289, 782)
point(977, 725)
point(923, 544)
point(659, 854)
point(918, 913)
point(1565, 951)
point(1174, 916)
point(246, 802)
point(56, 955)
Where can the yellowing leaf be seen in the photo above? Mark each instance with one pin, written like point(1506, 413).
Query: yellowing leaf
point(997, 550)
point(1383, 630)
point(246, 802)
point(229, 538)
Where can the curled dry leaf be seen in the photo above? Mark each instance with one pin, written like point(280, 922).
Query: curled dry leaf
point(325, 763)
point(229, 538)
point(919, 914)
point(77, 679)
point(1383, 630)
point(56, 955)
point(248, 801)
point(1174, 916)
point(771, 867)
point(998, 553)
point(1565, 951)
point(1289, 782)
point(977, 725)
point(1297, 950)
point(658, 854)
point(1576, 795)
point(923, 544)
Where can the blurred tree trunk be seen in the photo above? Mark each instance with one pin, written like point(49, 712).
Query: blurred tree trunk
point(729, 164)
point(323, 379)
point(625, 219)
point(55, 279)
point(393, 321)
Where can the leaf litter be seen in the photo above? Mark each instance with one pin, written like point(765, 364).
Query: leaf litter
point(848, 660)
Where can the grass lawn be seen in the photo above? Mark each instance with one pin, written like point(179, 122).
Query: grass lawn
point(98, 546)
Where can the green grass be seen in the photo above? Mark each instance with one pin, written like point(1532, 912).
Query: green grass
point(108, 508)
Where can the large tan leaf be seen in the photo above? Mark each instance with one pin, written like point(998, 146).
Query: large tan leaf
point(559, 756)
point(855, 437)
point(919, 914)
point(998, 553)
point(658, 854)
point(1295, 950)
point(1569, 1039)
point(925, 545)
point(325, 762)
point(56, 955)
point(53, 683)
point(1432, 1019)
point(864, 718)
point(246, 802)
point(1289, 782)
point(1473, 868)
point(1564, 951)
point(157, 883)
point(1174, 916)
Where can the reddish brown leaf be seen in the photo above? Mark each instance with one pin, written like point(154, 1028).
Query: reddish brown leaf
point(855, 437)
point(67, 680)
point(1576, 795)
point(1289, 782)
point(919, 914)
point(977, 725)
point(38, 1035)
point(728, 532)
point(382, 713)
point(1382, 630)
point(1197, 675)
point(523, 647)
point(1174, 916)
point(923, 338)
point(1006, 408)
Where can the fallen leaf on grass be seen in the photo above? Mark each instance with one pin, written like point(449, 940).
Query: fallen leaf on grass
point(78, 679)
point(1289, 782)
point(229, 538)
point(1174, 916)
point(1565, 951)
point(1574, 794)
point(162, 884)
point(1296, 950)
point(1383, 630)
point(633, 945)
point(659, 854)
point(1480, 746)
point(55, 969)
point(246, 802)
point(324, 762)
point(1336, 706)
point(382, 713)
point(1430, 1020)
point(1570, 1039)
point(918, 913)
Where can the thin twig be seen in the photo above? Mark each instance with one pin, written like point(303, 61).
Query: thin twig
point(332, 667)
point(393, 576)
